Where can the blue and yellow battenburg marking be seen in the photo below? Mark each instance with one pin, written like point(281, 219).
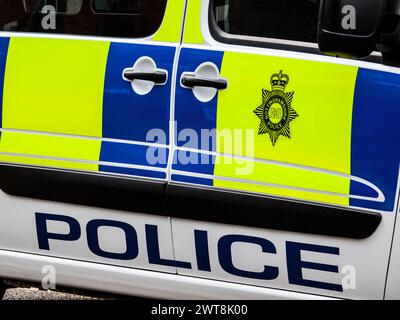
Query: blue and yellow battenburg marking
point(345, 129)
point(346, 124)
point(75, 88)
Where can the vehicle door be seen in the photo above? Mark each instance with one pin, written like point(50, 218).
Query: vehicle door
point(85, 90)
point(287, 159)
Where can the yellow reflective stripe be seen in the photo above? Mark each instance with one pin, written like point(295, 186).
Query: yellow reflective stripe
point(294, 194)
point(50, 146)
point(55, 85)
point(170, 29)
point(59, 164)
point(192, 29)
point(284, 177)
point(320, 135)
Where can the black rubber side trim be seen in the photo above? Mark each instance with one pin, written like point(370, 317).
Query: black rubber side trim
point(270, 213)
point(97, 190)
point(178, 201)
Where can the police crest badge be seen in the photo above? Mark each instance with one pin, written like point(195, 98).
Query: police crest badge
point(276, 111)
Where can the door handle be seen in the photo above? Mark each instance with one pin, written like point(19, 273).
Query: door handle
point(192, 81)
point(144, 75)
point(157, 76)
point(204, 82)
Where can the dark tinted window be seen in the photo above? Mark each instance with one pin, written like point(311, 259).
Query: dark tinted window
point(121, 7)
point(280, 19)
point(119, 18)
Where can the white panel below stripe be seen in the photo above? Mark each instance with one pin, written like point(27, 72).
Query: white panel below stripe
point(120, 280)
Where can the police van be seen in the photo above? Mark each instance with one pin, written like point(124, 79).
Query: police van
point(201, 149)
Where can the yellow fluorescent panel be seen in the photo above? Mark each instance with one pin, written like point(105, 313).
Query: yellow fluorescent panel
point(283, 176)
point(170, 29)
point(55, 85)
point(294, 194)
point(320, 135)
point(192, 30)
point(49, 146)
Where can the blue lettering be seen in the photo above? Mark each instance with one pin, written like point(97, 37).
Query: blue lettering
point(295, 265)
point(153, 250)
point(225, 256)
point(132, 248)
point(202, 250)
point(43, 235)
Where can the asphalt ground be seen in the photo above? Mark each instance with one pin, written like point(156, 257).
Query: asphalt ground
point(36, 294)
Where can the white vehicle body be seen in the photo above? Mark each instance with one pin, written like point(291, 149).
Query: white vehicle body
point(178, 256)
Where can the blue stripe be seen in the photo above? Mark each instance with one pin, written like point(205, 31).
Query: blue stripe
point(196, 116)
point(134, 154)
point(127, 115)
point(133, 172)
point(194, 180)
point(190, 112)
point(361, 189)
point(375, 149)
point(193, 162)
point(4, 42)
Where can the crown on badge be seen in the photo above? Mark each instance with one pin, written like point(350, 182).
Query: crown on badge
point(279, 81)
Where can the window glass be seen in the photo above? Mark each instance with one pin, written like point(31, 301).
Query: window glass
point(280, 19)
point(117, 7)
point(119, 18)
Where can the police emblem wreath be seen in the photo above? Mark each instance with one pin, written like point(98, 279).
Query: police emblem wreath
point(276, 111)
